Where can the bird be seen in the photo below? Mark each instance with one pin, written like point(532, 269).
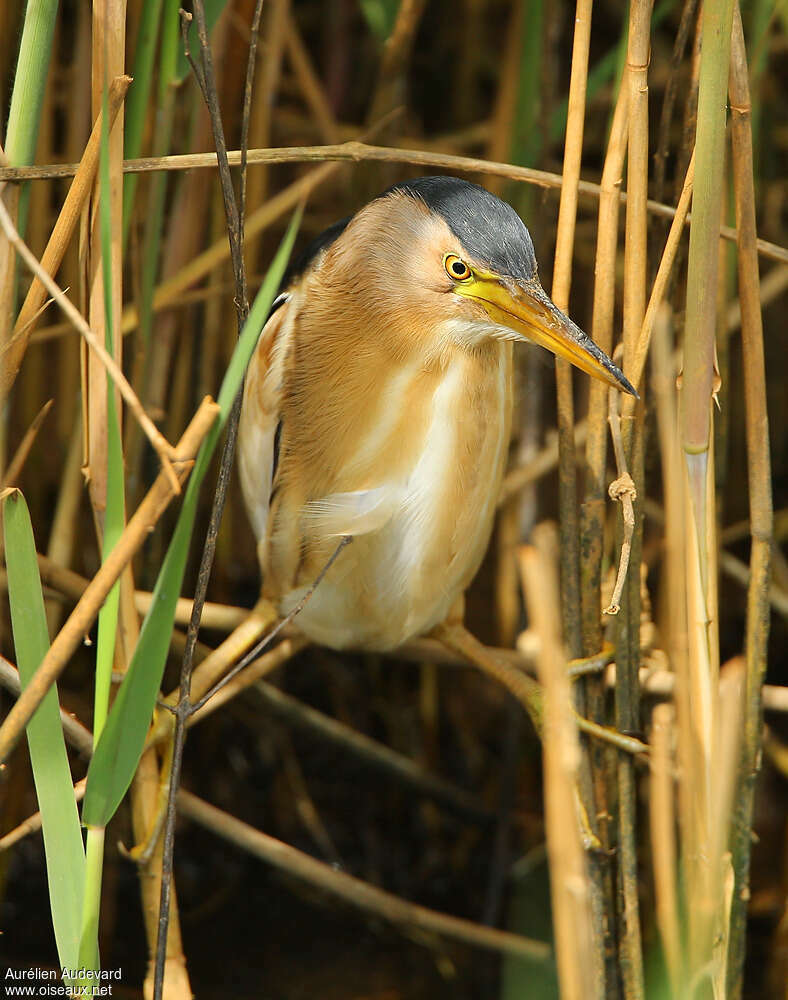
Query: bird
point(377, 407)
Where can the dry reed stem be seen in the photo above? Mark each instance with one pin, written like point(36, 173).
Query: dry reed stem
point(163, 448)
point(79, 622)
point(15, 466)
point(663, 842)
point(63, 230)
point(675, 590)
point(627, 699)
point(352, 890)
point(79, 736)
point(570, 887)
point(759, 481)
point(700, 722)
point(222, 617)
point(570, 591)
point(562, 279)
point(108, 37)
point(593, 508)
point(357, 151)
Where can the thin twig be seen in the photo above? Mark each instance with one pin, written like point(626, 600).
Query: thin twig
point(77, 734)
point(267, 639)
point(222, 617)
point(246, 116)
point(15, 466)
point(360, 152)
point(205, 78)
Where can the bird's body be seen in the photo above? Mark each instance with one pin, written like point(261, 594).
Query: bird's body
point(385, 416)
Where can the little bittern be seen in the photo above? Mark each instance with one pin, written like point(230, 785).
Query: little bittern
point(378, 405)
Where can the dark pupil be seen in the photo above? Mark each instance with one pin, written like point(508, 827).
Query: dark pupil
point(459, 268)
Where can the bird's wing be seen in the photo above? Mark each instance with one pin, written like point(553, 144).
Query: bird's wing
point(356, 513)
point(260, 427)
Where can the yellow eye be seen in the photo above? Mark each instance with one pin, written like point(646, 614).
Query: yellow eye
point(456, 268)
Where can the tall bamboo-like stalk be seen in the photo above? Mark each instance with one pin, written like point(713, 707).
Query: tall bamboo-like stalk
point(759, 479)
point(562, 280)
point(107, 62)
point(570, 528)
point(695, 428)
point(663, 381)
point(108, 58)
point(593, 507)
point(627, 701)
point(569, 882)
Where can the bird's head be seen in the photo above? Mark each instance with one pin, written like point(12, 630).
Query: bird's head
point(446, 258)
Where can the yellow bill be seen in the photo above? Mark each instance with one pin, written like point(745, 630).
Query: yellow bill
point(528, 311)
